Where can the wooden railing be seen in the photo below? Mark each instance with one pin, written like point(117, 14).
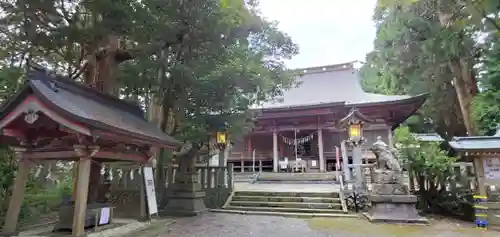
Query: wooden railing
point(238, 156)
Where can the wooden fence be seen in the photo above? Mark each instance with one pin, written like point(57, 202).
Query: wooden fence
point(216, 182)
point(462, 176)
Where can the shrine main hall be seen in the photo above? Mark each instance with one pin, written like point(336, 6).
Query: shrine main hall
point(304, 123)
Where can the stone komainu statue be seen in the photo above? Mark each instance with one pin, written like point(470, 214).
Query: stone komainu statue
point(385, 157)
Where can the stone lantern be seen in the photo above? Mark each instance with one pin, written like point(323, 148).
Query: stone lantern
point(354, 122)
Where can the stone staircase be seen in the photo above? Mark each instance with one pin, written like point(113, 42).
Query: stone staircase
point(299, 178)
point(243, 176)
point(298, 204)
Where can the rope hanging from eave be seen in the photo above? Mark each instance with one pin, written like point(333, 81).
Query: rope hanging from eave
point(298, 141)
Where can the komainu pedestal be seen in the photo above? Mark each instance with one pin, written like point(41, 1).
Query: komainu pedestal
point(390, 198)
point(391, 201)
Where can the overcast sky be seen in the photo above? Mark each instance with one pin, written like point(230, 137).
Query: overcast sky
point(327, 31)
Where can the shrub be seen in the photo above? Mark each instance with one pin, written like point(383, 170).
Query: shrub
point(432, 169)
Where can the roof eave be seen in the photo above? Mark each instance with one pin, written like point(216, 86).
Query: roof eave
point(418, 100)
point(99, 125)
point(301, 107)
point(11, 101)
point(408, 100)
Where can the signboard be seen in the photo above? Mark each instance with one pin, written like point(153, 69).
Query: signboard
point(491, 169)
point(149, 185)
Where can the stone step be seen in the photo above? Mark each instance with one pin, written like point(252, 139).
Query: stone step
point(286, 199)
point(287, 214)
point(297, 182)
point(284, 209)
point(287, 204)
point(288, 194)
point(329, 176)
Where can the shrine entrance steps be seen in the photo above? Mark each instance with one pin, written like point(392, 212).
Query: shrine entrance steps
point(297, 177)
point(294, 204)
point(243, 176)
point(284, 177)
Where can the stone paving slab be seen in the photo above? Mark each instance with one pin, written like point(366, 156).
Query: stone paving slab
point(280, 187)
point(230, 225)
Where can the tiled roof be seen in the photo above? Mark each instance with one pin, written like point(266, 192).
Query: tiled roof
point(100, 111)
point(475, 143)
point(330, 84)
point(428, 137)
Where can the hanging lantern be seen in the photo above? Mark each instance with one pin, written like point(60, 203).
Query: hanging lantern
point(355, 131)
point(221, 138)
point(353, 123)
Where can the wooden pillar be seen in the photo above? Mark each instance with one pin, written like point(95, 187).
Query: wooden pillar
point(249, 152)
point(249, 147)
point(281, 150)
point(389, 138)
point(321, 151)
point(479, 171)
point(75, 180)
point(275, 150)
point(16, 199)
point(82, 190)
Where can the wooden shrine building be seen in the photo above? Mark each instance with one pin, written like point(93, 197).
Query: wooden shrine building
point(54, 118)
point(484, 151)
point(309, 115)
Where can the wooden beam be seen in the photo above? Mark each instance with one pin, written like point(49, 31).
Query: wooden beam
point(134, 140)
point(121, 155)
point(50, 155)
point(67, 154)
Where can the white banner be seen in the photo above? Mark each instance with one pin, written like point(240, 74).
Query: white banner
point(149, 185)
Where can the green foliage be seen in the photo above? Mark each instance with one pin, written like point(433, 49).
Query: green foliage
point(205, 62)
point(433, 168)
point(426, 158)
point(486, 106)
point(411, 56)
point(38, 201)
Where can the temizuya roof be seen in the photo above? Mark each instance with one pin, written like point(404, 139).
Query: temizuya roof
point(331, 84)
point(101, 112)
point(476, 143)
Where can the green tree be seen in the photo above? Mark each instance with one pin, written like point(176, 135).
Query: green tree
point(486, 106)
point(430, 166)
point(200, 65)
point(411, 56)
point(460, 22)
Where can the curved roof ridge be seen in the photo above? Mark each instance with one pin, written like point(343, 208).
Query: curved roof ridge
point(81, 89)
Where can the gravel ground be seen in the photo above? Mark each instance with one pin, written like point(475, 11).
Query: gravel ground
point(233, 225)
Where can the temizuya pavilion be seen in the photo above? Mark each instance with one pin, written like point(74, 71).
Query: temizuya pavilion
point(485, 153)
point(52, 117)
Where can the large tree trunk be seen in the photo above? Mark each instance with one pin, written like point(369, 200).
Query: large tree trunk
point(464, 83)
point(461, 65)
point(100, 75)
